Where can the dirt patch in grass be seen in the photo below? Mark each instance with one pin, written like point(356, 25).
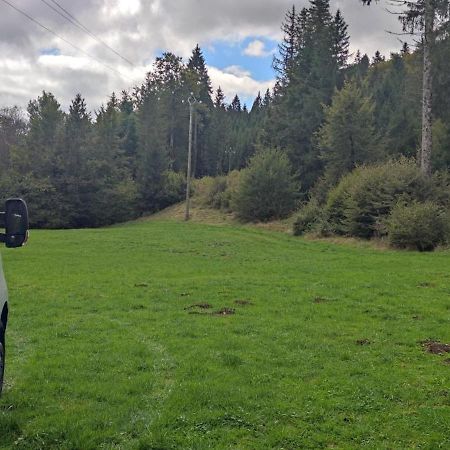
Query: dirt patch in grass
point(199, 305)
point(202, 309)
point(426, 284)
point(363, 342)
point(319, 300)
point(141, 285)
point(225, 312)
point(243, 302)
point(436, 347)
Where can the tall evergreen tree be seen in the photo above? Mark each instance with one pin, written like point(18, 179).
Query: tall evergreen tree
point(348, 136)
point(297, 110)
point(73, 175)
point(200, 86)
point(287, 50)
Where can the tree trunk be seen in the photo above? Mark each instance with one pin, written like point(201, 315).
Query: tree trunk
point(427, 119)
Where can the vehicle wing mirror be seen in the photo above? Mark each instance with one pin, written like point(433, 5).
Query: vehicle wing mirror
point(16, 223)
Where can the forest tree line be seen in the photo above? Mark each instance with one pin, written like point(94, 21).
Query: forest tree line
point(329, 112)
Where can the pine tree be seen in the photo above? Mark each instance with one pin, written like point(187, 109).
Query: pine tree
point(128, 130)
point(235, 105)
point(200, 86)
point(378, 58)
point(267, 100)
point(257, 104)
point(297, 109)
point(405, 49)
point(72, 172)
point(287, 50)
point(219, 99)
point(348, 136)
point(341, 41)
point(45, 126)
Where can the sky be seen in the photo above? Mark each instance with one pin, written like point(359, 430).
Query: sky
point(238, 39)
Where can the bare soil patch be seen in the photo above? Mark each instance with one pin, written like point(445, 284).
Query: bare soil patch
point(363, 342)
point(243, 302)
point(225, 312)
point(436, 347)
point(199, 305)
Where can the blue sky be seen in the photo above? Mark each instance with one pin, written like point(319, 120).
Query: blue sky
point(223, 54)
point(237, 37)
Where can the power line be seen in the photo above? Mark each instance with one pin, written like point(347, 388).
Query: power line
point(63, 39)
point(75, 22)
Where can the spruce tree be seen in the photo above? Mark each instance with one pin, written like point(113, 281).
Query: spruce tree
point(287, 50)
point(348, 136)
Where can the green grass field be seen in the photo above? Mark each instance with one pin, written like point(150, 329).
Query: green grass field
point(105, 349)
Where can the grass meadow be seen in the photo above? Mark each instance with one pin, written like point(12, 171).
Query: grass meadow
point(166, 335)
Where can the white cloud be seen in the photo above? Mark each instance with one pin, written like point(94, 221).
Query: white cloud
point(238, 82)
point(237, 71)
point(123, 8)
point(257, 49)
point(139, 30)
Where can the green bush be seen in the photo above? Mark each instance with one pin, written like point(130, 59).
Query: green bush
point(233, 183)
point(360, 203)
point(174, 188)
point(308, 218)
point(421, 226)
point(215, 192)
point(266, 188)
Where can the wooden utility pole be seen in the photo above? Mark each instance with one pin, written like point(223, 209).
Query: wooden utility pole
point(192, 100)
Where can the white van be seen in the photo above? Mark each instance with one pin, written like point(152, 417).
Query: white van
point(15, 219)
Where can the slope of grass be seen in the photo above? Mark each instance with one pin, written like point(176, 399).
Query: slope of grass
point(107, 351)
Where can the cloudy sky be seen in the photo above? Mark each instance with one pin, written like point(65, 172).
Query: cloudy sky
point(238, 38)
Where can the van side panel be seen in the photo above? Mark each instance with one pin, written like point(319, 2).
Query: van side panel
point(3, 297)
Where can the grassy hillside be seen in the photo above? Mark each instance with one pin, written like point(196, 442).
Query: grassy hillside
point(161, 335)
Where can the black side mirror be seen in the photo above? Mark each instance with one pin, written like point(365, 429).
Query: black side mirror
point(16, 223)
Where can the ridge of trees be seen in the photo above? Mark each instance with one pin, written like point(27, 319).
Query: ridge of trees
point(325, 113)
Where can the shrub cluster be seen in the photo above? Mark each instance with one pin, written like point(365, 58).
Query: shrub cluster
point(263, 191)
point(267, 189)
point(420, 226)
point(217, 192)
point(308, 218)
point(360, 203)
point(387, 199)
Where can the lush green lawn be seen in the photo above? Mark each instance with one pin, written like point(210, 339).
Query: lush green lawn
point(104, 354)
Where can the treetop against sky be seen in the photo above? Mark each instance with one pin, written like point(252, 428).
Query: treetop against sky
point(238, 38)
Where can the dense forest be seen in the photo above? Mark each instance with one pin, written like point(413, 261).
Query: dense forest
point(329, 113)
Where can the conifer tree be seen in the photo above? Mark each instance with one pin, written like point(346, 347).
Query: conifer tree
point(257, 104)
point(200, 86)
point(287, 50)
point(235, 105)
point(348, 136)
point(430, 18)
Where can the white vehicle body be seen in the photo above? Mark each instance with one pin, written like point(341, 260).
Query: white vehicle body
point(15, 219)
point(3, 299)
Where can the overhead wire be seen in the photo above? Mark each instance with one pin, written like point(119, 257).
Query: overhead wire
point(75, 22)
point(32, 19)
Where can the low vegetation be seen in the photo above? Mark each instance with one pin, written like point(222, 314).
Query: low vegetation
point(173, 335)
point(388, 199)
